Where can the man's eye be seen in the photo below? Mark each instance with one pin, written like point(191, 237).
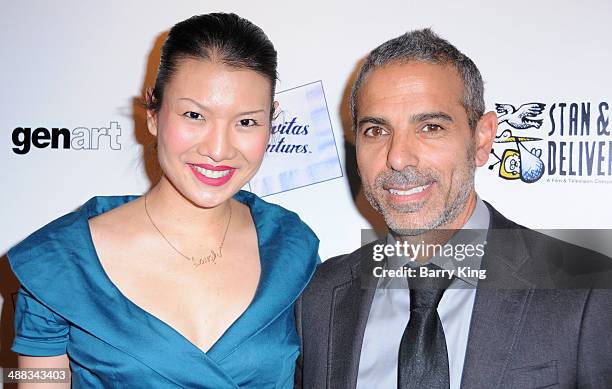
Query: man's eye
point(193, 115)
point(248, 122)
point(431, 128)
point(374, 132)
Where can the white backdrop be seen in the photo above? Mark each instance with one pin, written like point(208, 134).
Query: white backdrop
point(81, 64)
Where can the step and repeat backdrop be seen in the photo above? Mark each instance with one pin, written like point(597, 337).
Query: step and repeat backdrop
point(72, 74)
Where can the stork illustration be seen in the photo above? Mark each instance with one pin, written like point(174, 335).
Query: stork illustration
point(521, 118)
point(520, 163)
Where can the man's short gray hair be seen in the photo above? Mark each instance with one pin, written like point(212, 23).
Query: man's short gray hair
point(426, 46)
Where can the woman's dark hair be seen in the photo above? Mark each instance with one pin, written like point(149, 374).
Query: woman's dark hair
point(217, 37)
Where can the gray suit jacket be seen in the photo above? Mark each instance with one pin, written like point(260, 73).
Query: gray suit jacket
point(541, 318)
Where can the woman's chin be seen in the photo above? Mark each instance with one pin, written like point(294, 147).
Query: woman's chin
point(212, 197)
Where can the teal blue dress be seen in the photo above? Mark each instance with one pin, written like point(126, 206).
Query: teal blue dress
point(68, 305)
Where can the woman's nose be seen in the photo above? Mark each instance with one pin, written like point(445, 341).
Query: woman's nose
point(216, 143)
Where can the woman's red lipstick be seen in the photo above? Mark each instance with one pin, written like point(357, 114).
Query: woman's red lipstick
point(212, 175)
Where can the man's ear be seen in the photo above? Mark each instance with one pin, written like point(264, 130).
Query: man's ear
point(354, 130)
point(152, 122)
point(485, 132)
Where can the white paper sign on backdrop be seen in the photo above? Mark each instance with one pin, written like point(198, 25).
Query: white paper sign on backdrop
point(302, 149)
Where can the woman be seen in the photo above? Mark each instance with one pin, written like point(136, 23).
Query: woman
point(192, 284)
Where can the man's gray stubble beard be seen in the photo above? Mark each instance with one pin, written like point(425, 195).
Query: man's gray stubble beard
point(412, 177)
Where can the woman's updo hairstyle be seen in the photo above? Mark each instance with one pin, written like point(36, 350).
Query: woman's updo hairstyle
point(221, 38)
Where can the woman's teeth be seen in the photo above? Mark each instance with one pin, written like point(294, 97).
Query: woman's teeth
point(412, 191)
point(212, 173)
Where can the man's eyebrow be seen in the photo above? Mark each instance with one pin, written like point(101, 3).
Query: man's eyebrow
point(425, 116)
point(372, 120)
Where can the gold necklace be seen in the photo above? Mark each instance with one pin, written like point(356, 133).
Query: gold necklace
point(212, 257)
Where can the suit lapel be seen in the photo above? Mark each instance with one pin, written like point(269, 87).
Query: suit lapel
point(350, 309)
point(499, 307)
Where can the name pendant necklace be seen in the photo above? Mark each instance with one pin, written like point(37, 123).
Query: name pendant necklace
point(210, 258)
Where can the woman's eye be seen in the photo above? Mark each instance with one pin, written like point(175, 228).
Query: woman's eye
point(374, 132)
point(431, 128)
point(247, 122)
point(193, 115)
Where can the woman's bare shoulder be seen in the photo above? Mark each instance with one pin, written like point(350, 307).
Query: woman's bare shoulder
point(120, 222)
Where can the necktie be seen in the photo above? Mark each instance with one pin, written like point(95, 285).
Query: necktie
point(423, 359)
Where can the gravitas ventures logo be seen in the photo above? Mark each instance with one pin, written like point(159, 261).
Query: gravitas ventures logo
point(289, 129)
point(80, 138)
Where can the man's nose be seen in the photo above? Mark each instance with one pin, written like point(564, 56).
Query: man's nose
point(403, 151)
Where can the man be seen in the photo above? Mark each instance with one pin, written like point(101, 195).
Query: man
point(534, 321)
